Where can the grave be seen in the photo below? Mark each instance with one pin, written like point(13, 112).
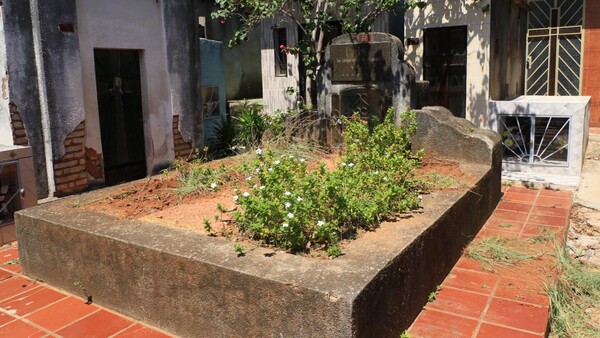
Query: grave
point(366, 73)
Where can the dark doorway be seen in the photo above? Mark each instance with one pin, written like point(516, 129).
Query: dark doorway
point(121, 119)
point(445, 67)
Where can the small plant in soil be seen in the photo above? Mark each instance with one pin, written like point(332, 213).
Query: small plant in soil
point(546, 235)
point(433, 295)
point(492, 251)
point(239, 249)
point(290, 207)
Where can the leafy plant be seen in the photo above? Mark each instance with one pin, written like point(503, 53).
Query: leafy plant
point(194, 177)
point(239, 249)
point(433, 295)
point(223, 138)
point(250, 122)
point(294, 208)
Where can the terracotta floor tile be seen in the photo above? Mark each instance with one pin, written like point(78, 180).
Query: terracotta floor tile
point(556, 193)
point(504, 215)
point(504, 225)
point(18, 329)
point(99, 324)
point(440, 325)
point(497, 233)
point(558, 221)
point(62, 313)
point(468, 263)
point(553, 202)
point(4, 275)
point(512, 206)
point(519, 198)
point(13, 268)
point(493, 331)
point(31, 300)
point(7, 255)
point(522, 290)
point(551, 211)
point(469, 280)
point(5, 318)
point(523, 190)
point(14, 286)
point(536, 229)
point(517, 315)
point(459, 302)
point(139, 331)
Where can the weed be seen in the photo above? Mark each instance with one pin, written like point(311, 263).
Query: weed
point(11, 262)
point(239, 249)
point(432, 180)
point(334, 251)
point(405, 334)
point(194, 177)
point(433, 295)
point(76, 204)
point(492, 251)
point(573, 296)
point(207, 226)
point(505, 225)
point(546, 235)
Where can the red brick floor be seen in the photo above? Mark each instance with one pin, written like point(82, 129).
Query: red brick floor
point(33, 309)
point(510, 302)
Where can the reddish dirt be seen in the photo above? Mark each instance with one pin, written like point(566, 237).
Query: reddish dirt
point(155, 199)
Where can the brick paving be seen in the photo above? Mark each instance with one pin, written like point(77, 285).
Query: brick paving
point(34, 309)
point(472, 302)
point(509, 302)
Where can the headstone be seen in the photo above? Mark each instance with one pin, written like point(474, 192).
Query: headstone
point(366, 73)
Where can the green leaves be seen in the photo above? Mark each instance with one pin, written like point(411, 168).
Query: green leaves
point(294, 208)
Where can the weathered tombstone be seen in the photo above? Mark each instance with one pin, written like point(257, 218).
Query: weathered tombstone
point(366, 73)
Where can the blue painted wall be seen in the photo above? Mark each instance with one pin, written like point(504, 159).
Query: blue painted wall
point(212, 75)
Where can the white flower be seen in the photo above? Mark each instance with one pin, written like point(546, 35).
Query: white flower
point(213, 185)
point(246, 194)
point(385, 178)
point(291, 156)
point(270, 169)
point(376, 172)
point(261, 187)
point(287, 193)
point(258, 151)
point(285, 225)
point(302, 160)
point(320, 223)
point(255, 186)
point(277, 162)
point(288, 204)
point(290, 215)
point(343, 164)
point(299, 199)
point(420, 197)
point(261, 164)
point(257, 170)
point(351, 164)
point(249, 178)
point(235, 198)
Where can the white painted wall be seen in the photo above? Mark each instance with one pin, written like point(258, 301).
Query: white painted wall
point(274, 87)
point(446, 13)
point(5, 129)
point(132, 24)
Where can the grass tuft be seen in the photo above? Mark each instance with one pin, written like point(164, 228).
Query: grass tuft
point(574, 299)
point(492, 251)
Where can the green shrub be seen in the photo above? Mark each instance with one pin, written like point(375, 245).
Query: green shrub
point(294, 208)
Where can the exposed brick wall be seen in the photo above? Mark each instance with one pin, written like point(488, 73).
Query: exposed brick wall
point(18, 129)
point(591, 61)
point(183, 149)
point(70, 174)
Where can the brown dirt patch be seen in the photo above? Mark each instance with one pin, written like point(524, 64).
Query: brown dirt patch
point(155, 199)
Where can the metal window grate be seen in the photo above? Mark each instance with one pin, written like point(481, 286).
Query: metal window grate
point(535, 140)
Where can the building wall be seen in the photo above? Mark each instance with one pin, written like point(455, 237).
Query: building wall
point(446, 13)
point(134, 24)
point(5, 125)
point(274, 87)
point(591, 61)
